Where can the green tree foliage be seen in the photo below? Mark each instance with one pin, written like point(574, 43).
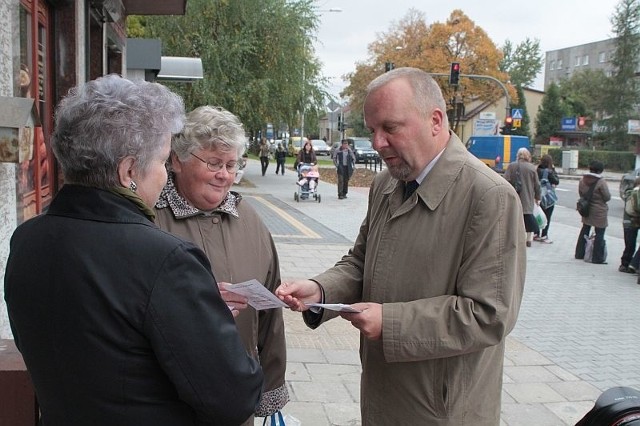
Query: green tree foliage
point(257, 56)
point(584, 93)
point(523, 63)
point(622, 92)
point(549, 115)
point(524, 129)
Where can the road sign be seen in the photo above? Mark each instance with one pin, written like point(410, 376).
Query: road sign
point(333, 105)
point(517, 122)
point(516, 113)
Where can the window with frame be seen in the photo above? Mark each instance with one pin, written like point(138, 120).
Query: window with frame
point(585, 60)
point(602, 57)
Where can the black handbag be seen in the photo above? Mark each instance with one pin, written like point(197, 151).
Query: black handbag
point(584, 203)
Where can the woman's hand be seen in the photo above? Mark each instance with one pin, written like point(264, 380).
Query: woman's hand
point(235, 301)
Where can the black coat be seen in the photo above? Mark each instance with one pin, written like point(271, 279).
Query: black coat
point(120, 323)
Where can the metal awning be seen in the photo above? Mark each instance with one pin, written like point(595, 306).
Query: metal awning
point(155, 7)
point(178, 69)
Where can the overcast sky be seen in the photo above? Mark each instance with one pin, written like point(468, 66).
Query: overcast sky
point(345, 36)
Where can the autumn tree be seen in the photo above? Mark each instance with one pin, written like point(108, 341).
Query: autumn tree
point(523, 62)
point(622, 91)
point(412, 42)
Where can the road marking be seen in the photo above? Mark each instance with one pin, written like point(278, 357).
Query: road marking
point(304, 230)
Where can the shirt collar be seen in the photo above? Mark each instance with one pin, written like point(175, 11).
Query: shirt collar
point(428, 168)
point(182, 209)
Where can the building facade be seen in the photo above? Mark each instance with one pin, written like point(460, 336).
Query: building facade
point(46, 48)
point(563, 63)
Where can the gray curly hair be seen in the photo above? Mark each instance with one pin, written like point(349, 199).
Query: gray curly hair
point(209, 128)
point(101, 122)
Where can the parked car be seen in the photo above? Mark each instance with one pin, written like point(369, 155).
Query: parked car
point(363, 149)
point(296, 145)
point(320, 147)
point(627, 182)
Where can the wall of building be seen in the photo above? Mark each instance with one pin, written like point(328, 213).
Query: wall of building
point(563, 63)
point(8, 212)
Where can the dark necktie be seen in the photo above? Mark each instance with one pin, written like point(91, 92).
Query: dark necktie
point(410, 188)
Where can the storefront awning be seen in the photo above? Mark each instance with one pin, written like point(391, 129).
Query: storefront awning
point(178, 69)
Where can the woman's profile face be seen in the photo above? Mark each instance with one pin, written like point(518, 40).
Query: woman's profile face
point(150, 185)
point(202, 188)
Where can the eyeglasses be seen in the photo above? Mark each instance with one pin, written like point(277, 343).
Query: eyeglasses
point(231, 166)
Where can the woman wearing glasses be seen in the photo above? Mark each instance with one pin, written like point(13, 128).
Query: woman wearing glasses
point(198, 205)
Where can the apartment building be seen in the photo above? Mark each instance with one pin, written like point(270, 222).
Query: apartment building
point(563, 63)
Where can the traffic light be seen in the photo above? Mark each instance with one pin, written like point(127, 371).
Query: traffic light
point(388, 66)
point(454, 74)
point(508, 125)
point(340, 122)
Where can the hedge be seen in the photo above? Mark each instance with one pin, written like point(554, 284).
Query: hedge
point(615, 161)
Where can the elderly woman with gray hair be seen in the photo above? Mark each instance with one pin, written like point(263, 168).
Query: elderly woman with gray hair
point(197, 204)
point(118, 321)
point(524, 177)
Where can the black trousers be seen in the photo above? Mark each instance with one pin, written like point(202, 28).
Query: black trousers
point(343, 181)
point(547, 212)
point(598, 244)
point(280, 165)
point(630, 236)
point(264, 162)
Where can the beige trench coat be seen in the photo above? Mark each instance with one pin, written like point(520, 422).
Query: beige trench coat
point(241, 249)
point(448, 265)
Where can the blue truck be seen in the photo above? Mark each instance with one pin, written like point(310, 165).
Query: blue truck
point(497, 151)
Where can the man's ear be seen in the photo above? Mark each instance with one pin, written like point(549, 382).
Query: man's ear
point(437, 121)
point(126, 172)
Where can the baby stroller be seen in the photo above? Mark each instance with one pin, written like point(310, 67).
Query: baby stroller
point(307, 182)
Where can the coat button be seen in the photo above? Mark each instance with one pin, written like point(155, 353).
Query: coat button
point(216, 220)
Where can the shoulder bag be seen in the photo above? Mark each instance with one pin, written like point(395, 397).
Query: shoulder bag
point(584, 203)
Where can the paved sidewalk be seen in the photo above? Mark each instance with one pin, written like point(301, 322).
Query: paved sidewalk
point(576, 336)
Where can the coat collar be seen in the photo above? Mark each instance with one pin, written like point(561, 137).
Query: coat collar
point(170, 198)
point(83, 202)
point(438, 181)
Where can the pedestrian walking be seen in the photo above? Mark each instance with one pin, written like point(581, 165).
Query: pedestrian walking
point(436, 273)
point(524, 177)
point(281, 157)
point(548, 181)
point(593, 183)
point(264, 155)
point(345, 161)
point(630, 226)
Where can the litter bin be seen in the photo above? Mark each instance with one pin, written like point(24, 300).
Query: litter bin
point(569, 161)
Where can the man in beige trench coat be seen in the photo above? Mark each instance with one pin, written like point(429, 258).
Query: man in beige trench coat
point(437, 274)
